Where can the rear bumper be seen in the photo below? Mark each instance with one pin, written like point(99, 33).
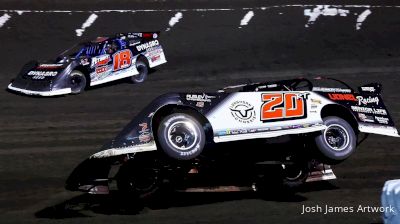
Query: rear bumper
point(40, 93)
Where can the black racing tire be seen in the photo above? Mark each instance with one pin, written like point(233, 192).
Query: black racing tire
point(77, 82)
point(141, 181)
point(181, 136)
point(337, 142)
point(143, 70)
point(295, 175)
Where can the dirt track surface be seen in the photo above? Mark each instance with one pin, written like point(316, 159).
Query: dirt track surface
point(43, 139)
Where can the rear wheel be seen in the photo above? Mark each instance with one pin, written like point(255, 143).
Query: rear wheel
point(181, 136)
point(143, 70)
point(77, 82)
point(295, 175)
point(140, 180)
point(337, 142)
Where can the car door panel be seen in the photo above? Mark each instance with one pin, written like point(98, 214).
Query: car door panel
point(244, 113)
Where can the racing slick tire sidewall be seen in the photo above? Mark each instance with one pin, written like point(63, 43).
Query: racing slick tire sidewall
point(140, 181)
point(328, 153)
point(295, 175)
point(79, 77)
point(169, 124)
point(143, 70)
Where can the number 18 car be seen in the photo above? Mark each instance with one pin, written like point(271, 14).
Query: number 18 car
point(102, 60)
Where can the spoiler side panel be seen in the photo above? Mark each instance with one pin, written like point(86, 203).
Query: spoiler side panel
point(368, 109)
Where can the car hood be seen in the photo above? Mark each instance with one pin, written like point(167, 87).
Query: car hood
point(42, 71)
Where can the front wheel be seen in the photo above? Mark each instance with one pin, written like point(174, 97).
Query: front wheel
point(181, 136)
point(143, 70)
point(337, 142)
point(77, 82)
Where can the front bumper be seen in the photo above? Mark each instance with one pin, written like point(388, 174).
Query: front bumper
point(40, 93)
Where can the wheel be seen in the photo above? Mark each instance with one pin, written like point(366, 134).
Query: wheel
point(295, 175)
point(337, 142)
point(143, 70)
point(77, 81)
point(181, 136)
point(141, 180)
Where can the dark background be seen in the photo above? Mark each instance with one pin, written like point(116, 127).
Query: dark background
point(43, 139)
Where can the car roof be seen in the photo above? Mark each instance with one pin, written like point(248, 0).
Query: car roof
point(100, 39)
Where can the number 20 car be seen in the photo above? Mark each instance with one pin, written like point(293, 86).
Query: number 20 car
point(330, 116)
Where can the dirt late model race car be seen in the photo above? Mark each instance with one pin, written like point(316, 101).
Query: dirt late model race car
point(175, 135)
point(102, 60)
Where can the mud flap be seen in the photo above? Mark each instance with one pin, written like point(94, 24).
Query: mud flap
point(321, 172)
point(90, 176)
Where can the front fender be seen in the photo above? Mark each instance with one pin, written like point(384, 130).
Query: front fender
point(138, 135)
point(62, 81)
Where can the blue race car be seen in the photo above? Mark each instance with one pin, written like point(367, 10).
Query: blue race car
point(102, 60)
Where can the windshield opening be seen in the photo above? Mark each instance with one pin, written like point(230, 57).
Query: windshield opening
point(74, 51)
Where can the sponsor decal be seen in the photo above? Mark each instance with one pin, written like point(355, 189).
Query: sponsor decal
point(155, 51)
point(221, 133)
point(243, 111)
point(296, 126)
point(147, 45)
point(49, 66)
point(272, 85)
point(242, 131)
point(342, 97)
point(317, 101)
point(199, 98)
point(133, 43)
point(155, 58)
point(382, 120)
point(263, 129)
point(334, 90)
point(281, 106)
point(368, 89)
point(267, 86)
point(134, 35)
point(368, 110)
point(234, 132)
point(365, 118)
point(144, 133)
point(100, 60)
point(41, 74)
point(200, 104)
point(103, 69)
point(369, 100)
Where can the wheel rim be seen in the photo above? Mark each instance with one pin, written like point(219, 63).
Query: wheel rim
point(336, 137)
point(182, 135)
point(76, 82)
point(293, 173)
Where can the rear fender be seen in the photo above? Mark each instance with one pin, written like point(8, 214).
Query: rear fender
point(368, 109)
